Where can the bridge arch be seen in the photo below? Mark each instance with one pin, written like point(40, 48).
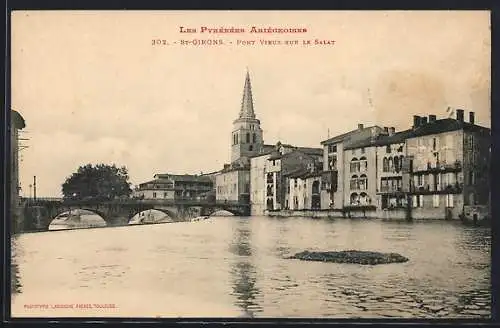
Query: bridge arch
point(71, 218)
point(222, 212)
point(64, 210)
point(137, 218)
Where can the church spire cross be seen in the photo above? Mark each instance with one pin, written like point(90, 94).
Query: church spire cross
point(246, 110)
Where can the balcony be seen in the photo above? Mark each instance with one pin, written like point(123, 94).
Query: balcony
point(450, 188)
point(440, 167)
point(390, 189)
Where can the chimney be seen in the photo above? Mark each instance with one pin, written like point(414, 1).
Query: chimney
point(432, 118)
point(460, 115)
point(471, 117)
point(423, 120)
point(392, 130)
point(360, 126)
point(416, 121)
point(374, 134)
point(386, 129)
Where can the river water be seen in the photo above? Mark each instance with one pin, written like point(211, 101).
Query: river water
point(231, 266)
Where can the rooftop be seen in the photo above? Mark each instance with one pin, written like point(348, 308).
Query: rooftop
point(181, 177)
point(446, 125)
point(434, 127)
point(343, 136)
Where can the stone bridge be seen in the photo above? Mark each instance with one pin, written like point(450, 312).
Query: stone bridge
point(38, 214)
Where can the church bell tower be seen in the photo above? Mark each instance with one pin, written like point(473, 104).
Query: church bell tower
point(247, 138)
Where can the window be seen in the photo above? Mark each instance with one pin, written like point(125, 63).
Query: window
point(354, 165)
point(354, 182)
point(354, 199)
point(388, 149)
point(363, 164)
point(449, 200)
point(362, 150)
point(165, 195)
point(418, 200)
point(315, 187)
point(434, 144)
point(383, 184)
point(332, 162)
point(332, 148)
point(397, 167)
point(363, 182)
point(248, 137)
point(254, 138)
point(250, 148)
point(154, 195)
point(385, 165)
point(438, 181)
point(435, 200)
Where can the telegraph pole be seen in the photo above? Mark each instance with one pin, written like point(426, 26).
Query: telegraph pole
point(34, 188)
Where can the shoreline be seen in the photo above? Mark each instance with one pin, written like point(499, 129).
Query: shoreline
point(369, 215)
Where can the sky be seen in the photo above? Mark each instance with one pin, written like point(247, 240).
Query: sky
point(94, 89)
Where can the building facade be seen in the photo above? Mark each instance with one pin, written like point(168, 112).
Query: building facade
point(17, 123)
point(448, 168)
point(282, 167)
point(360, 176)
point(175, 187)
point(258, 183)
point(233, 184)
point(391, 154)
point(336, 180)
point(304, 190)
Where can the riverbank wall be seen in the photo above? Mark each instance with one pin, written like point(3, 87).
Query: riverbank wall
point(473, 215)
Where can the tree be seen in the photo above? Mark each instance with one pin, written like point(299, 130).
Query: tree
point(99, 182)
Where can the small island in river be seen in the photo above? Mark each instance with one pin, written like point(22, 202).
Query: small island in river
point(351, 256)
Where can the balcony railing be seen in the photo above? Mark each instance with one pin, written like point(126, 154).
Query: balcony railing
point(440, 166)
point(391, 188)
point(443, 188)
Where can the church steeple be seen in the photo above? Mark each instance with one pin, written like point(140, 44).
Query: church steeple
point(246, 110)
point(247, 138)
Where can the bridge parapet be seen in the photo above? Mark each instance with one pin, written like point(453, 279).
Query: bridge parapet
point(120, 211)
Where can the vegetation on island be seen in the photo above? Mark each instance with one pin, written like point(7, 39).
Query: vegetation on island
point(351, 256)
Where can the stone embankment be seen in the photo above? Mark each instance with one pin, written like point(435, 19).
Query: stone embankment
point(351, 256)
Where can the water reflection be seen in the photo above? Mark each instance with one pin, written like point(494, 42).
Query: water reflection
point(245, 261)
point(243, 272)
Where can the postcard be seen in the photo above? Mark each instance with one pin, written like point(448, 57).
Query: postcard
point(250, 164)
